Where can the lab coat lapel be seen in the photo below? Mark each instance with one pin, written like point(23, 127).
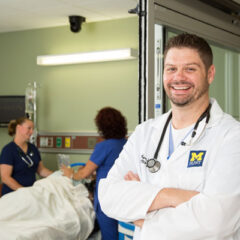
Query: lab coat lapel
point(178, 153)
point(158, 126)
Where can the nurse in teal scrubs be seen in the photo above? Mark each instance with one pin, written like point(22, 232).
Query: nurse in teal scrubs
point(112, 127)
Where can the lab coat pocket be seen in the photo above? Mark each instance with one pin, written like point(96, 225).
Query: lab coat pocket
point(192, 180)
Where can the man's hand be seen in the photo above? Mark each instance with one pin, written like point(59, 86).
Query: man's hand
point(130, 176)
point(139, 223)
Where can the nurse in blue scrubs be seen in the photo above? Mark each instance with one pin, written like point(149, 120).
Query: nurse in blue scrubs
point(112, 127)
point(19, 159)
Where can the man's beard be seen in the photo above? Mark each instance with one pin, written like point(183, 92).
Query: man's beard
point(181, 102)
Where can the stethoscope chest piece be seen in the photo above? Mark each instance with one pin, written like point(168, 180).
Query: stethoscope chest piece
point(152, 164)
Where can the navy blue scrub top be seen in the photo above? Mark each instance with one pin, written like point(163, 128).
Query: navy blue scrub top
point(104, 155)
point(23, 174)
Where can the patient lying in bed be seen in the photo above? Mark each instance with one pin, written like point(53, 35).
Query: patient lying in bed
point(53, 208)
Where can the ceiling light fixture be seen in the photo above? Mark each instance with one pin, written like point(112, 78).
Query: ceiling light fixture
point(88, 57)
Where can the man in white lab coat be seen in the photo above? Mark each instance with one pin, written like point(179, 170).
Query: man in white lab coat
point(178, 176)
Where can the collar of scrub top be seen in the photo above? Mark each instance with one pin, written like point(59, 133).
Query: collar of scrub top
point(25, 157)
point(171, 144)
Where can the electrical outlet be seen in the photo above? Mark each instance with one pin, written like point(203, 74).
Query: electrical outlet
point(43, 141)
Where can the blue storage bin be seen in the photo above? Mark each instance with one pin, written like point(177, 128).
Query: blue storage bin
point(125, 230)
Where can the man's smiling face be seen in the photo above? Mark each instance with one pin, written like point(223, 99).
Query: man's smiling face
point(185, 77)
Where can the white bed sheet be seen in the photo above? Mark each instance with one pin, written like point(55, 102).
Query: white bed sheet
point(51, 209)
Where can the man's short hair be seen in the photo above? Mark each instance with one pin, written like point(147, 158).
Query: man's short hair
point(194, 42)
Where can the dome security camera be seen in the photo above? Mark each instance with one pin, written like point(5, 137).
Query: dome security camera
point(76, 23)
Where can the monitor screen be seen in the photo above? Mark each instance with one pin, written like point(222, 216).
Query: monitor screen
point(11, 107)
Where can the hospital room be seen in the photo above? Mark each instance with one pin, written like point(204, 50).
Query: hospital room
point(93, 105)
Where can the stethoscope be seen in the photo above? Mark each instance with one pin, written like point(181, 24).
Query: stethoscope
point(153, 164)
point(28, 159)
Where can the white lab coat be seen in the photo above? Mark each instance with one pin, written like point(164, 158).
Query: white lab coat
point(214, 214)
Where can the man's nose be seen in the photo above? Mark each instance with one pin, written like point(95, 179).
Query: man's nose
point(179, 74)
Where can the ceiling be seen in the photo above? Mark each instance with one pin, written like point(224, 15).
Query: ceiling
point(16, 15)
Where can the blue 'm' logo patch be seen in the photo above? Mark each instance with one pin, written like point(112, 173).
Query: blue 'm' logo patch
point(196, 158)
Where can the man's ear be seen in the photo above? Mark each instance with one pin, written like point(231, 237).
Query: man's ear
point(211, 74)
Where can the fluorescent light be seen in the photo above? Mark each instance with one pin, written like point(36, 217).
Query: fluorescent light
point(87, 57)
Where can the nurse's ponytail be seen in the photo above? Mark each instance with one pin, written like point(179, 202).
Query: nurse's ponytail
point(13, 125)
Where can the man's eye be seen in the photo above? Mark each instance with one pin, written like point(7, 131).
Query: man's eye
point(171, 69)
point(190, 69)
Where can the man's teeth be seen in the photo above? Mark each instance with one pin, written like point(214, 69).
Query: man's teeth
point(180, 88)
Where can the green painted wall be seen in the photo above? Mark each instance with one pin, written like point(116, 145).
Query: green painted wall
point(69, 96)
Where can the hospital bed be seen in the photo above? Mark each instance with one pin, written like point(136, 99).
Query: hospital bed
point(53, 208)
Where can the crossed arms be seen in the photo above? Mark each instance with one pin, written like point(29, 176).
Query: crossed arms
point(167, 197)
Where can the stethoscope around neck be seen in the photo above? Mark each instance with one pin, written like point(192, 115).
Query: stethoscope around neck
point(153, 164)
point(26, 159)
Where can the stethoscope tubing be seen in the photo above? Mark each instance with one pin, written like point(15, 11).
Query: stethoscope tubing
point(162, 136)
point(206, 114)
point(30, 163)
